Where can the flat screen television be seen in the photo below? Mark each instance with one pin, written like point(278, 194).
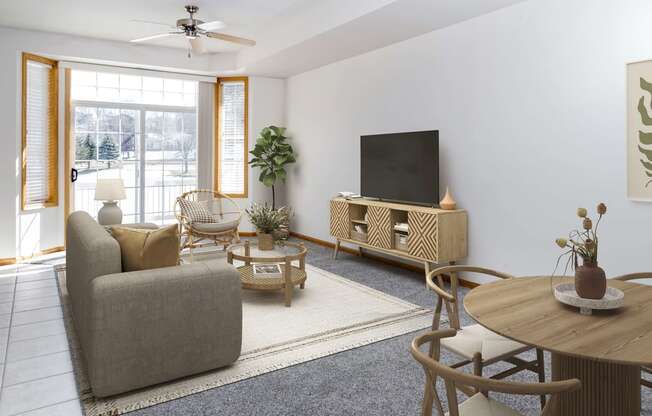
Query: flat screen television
point(401, 167)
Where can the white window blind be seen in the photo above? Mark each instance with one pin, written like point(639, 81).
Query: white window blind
point(40, 128)
point(232, 132)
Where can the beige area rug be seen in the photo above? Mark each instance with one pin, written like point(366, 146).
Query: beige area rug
point(332, 314)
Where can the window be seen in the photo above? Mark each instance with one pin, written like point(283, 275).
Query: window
point(140, 129)
point(125, 88)
point(39, 132)
point(232, 137)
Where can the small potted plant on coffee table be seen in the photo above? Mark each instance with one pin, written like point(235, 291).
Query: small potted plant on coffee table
point(267, 221)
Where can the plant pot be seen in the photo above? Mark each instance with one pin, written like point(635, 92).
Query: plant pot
point(590, 281)
point(265, 241)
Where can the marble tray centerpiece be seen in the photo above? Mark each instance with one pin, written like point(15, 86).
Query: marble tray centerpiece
point(612, 299)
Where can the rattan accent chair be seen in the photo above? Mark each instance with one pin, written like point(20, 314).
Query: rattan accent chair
point(224, 231)
point(477, 404)
point(474, 343)
point(639, 276)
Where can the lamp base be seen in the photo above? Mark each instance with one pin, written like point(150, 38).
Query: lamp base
point(110, 214)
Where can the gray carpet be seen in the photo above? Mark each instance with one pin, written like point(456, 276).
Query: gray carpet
point(378, 379)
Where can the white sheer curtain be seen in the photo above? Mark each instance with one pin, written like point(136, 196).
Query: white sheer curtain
point(205, 133)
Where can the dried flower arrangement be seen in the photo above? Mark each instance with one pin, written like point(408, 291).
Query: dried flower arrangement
point(582, 243)
point(590, 280)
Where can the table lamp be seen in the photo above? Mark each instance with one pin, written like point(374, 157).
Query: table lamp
point(110, 191)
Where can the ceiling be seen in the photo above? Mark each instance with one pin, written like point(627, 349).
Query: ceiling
point(292, 36)
point(112, 19)
point(377, 27)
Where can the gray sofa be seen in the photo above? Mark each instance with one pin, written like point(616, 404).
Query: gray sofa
point(142, 328)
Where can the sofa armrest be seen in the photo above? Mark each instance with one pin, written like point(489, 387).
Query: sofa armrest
point(150, 326)
point(90, 252)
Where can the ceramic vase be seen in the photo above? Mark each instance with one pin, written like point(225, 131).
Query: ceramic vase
point(448, 203)
point(590, 281)
point(265, 241)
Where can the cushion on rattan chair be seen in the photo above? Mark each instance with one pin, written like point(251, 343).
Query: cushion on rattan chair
point(475, 338)
point(480, 405)
point(219, 223)
point(195, 211)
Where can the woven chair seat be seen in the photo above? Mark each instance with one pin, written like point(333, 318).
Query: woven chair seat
point(473, 339)
point(480, 405)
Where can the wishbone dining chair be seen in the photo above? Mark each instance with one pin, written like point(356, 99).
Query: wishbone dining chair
point(477, 404)
point(639, 276)
point(474, 343)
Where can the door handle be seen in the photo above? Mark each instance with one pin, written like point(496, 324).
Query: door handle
point(73, 174)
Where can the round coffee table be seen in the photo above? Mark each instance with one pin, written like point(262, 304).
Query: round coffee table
point(283, 254)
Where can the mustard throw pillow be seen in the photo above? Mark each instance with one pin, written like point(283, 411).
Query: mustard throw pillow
point(147, 249)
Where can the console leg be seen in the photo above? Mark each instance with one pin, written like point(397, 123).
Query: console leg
point(427, 271)
point(337, 249)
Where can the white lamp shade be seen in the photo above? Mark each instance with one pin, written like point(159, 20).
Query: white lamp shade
point(110, 190)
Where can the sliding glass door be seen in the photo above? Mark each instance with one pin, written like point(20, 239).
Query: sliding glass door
point(107, 141)
point(152, 147)
point(169, 162)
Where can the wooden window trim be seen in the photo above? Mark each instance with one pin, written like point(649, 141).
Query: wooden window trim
point(67, 149)
point(53, 144)
point(218, 106)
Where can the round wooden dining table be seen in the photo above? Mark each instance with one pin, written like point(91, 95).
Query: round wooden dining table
point(604, 350)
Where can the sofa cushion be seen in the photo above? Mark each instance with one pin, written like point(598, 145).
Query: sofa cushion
point(144, 249)
point(195, 211)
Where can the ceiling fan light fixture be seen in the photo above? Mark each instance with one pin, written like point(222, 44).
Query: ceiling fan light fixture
point(195, 29)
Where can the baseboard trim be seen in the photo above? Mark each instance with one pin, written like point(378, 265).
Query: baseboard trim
point(13, 260)
point(391, 262)
point(323, 243)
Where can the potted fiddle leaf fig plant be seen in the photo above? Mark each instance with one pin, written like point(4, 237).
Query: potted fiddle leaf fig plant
point(272, 153)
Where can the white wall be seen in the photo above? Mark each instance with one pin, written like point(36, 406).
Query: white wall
point(28, 232)
point(530, 105)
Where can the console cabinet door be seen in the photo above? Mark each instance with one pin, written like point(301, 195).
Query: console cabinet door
point(380, 226)
point(340, 223)
point(423, 239)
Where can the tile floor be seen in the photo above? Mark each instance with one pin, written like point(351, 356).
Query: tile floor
point(35, 367)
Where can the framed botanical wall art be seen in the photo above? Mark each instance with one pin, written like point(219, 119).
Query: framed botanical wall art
point(639, 131)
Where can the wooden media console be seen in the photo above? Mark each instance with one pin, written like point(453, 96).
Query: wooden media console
point(434, 236)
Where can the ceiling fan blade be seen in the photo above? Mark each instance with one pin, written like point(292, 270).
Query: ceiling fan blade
point(230, 38)
point(214, 25)
point(197, 46)
point(162, 35)
point(152, 23)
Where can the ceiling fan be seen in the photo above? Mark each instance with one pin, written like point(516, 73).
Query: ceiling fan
point(194, 29)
